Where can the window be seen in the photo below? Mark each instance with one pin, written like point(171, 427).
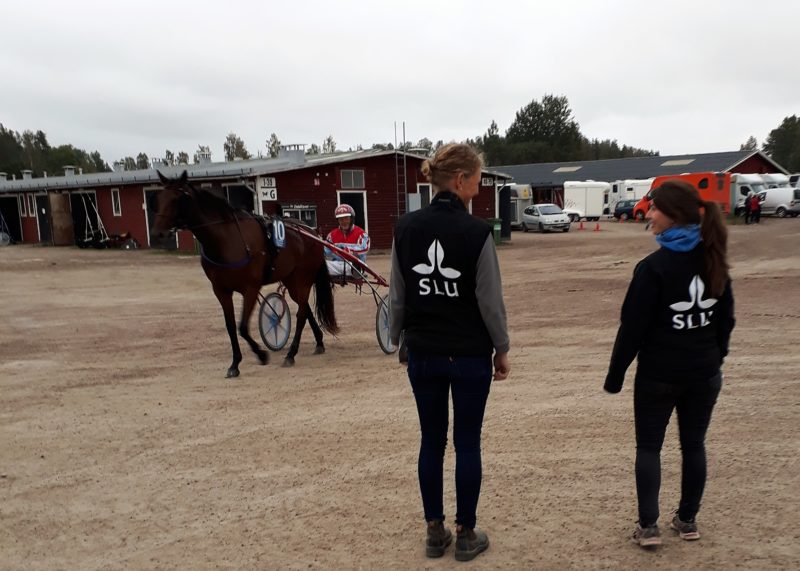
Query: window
point(305, 214)
point(703, 183)
point(21, 205)
point(115, 203)
point(31, 206)
point(352, 178)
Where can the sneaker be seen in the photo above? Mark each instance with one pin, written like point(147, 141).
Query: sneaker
point(686, 529)
point(649, 536)
point(470, 543)
point(439, 537)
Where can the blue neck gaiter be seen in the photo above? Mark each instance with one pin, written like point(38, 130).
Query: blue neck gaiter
point(680, 238)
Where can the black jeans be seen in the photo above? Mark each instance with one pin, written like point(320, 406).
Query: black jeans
point(432, 378)
point(653, 403)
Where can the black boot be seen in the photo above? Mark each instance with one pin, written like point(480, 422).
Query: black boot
point(439, 537)
point(469, 543)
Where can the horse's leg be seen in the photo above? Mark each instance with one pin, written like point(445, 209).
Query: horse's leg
point(225, 299)
point(302, 316)
point(320, 348)
point(250, 298)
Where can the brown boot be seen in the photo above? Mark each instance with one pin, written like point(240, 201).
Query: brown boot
point(469, 543)
point(439, 537)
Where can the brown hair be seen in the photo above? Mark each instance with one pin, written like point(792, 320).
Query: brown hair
point(450, 160)
point(680, 201)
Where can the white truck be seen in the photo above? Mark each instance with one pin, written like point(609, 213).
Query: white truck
point(584, 199)
point(741, 186)
point(628, 189)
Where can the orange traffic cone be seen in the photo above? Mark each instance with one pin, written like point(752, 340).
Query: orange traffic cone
point(581, 226)
point(597, 227)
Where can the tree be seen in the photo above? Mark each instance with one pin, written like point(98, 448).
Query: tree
point(313, 149)
point(130, 163)
point(182, 158)
point(783, 143)
point(169, 157)
point(235, 148)
point(751, 144)
point(329, 146)
point(425, 143)
point(142, 161)
point(273, 145)
point(549, 121)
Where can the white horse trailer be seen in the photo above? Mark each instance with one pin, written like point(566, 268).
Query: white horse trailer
point(628, 189)
point(521, 198)
point(585, 199)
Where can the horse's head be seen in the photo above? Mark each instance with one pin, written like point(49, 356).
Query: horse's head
point(172, 206)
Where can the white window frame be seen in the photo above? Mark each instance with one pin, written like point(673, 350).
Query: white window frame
point(116, 204)
point(341, 179)
point(31, 205)
point(366, 211)
point(23, 213)
point(298, 211)
point(430, 191)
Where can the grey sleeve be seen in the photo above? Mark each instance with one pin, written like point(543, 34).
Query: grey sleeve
point(489, 291)
point(397, 299)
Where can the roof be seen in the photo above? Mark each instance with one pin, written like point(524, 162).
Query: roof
point(608, 170)
point(204, 171)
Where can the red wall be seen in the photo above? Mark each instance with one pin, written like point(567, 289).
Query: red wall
point(754, 165)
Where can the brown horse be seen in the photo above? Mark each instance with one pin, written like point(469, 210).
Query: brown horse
point(236, 257)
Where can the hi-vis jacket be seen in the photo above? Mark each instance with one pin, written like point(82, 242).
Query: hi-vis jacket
point(445, 289)
point(670, 319)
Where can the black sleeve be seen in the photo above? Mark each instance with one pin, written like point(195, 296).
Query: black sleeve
point(725, 321)
point(638, 311)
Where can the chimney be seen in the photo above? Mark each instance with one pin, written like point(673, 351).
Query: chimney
point(69, 170)
point(119, 166)
point(27, 174)
point(157, 163)
point(80, 170)
point(204, 157)
point(294, 154)
point(3, 176)
point(44, 174)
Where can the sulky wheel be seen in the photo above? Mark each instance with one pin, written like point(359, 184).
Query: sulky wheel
point(274, 321)
point(382, 326)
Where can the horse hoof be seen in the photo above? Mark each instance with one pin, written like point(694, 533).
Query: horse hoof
point(319, 349)
point(232, 373)
point(263, 356)
point(288, 362)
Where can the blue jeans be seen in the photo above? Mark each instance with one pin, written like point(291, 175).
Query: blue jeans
point(653, 403)
point(432, 377)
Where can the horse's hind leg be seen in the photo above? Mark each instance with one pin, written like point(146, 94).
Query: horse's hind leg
point(320, 348)
point(225, 299)
point(250, 298)
point(302, 315)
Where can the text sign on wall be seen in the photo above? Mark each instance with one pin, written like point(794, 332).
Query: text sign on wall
point(267, 188)
point(487, 181)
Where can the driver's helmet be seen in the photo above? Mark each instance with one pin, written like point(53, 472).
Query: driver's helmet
point(345, 210)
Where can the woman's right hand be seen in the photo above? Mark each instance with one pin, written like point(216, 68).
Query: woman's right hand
point(502, 367)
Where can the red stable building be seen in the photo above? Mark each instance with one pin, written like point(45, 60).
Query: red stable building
point(82, 209)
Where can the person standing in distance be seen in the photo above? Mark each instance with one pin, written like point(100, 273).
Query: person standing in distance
point(446, 298)
point(677, 317)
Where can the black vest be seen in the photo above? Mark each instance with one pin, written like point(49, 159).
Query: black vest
point(437, 249)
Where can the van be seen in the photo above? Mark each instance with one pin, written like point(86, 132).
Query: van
point(742, 186)
point(712, 187)
point(777, 201)
point(794, 205)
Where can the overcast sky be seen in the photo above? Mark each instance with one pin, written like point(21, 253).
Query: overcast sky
point(127, 77)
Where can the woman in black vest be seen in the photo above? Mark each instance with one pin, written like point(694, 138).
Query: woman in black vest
point(677, 317)
point(446, 297)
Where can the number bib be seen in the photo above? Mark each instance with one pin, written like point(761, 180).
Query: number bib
point(278, 233)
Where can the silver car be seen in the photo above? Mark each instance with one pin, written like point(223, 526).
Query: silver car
point(544, 218)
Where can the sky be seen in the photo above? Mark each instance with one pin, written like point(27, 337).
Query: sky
point(125, 77)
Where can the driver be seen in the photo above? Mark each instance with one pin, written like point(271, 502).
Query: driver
point(348, 236)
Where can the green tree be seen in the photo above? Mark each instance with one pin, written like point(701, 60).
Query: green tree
point(235, 148)
point(130, 163)
point(142, 161)
point(751, 144)
point(547, 121)
point(783, 143)
point(182, 158)
point(273, 145)
point(169, 157)
point(313, 149)
point(328, 145)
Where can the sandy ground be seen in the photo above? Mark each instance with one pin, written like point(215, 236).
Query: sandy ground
point(123, 447)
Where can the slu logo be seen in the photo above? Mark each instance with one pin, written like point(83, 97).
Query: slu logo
point(686, 320)
point(435, 262)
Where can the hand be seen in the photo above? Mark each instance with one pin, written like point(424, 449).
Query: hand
point(501, 366)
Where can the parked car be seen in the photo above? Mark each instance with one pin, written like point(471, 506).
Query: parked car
point(624, 209)
point(544, 217)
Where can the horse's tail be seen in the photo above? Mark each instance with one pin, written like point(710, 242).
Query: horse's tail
point(326, 316)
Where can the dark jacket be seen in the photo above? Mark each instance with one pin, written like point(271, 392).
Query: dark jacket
point(670, 320)
point(445, 290)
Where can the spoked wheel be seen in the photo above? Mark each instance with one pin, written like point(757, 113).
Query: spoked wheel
point(274, 321)
point(382, 326)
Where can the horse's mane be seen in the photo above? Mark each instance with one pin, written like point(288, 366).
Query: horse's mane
point(210, 201)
